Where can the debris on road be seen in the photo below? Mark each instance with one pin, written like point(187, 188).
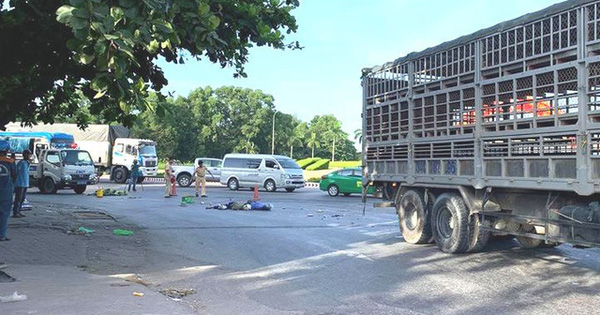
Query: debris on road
point(5, 278)
point(310, 215)
point(187, 200)
point(15, 297)
point(238, 205)
point(79, 231)
point(103, 192)
point(122, 232)
point(85, 230)
point(139, 294)
point(177, 293)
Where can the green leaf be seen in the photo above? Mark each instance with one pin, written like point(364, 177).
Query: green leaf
point(86, 59)
point(203, 8)
point(153, 46)
point(117, 13)
point(100, 48)
point(99, 94)
point(79, 23)
point(64, 14)
point(214, 21)
point(166, 44)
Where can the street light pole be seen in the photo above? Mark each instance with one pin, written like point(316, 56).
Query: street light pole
point(273, 135)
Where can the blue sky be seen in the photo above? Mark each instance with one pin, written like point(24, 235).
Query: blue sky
point(340, 38)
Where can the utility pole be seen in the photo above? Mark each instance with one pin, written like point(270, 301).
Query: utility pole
point(273, 134)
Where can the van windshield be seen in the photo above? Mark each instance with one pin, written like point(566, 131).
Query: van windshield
point(288, 163)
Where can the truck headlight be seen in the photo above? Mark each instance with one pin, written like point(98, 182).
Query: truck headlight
point(287, 176)
point(67, 177)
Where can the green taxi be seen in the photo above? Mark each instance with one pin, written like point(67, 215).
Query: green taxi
point(344, 181)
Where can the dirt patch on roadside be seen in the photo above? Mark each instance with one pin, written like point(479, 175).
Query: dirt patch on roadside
point(53, 234)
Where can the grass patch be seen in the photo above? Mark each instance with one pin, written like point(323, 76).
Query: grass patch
point(306, 162)
point(344, 164)
point(321, 164)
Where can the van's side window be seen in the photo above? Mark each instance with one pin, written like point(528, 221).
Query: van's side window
point(242, 163)
point(254, 163)
point(270, 163)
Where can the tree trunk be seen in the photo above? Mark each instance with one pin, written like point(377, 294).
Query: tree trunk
point(291, 152)
point(313, 151)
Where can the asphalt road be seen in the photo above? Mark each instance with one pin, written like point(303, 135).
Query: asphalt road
point(313, 254)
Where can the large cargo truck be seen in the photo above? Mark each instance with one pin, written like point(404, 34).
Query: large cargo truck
point(111, 148)
point(56, 162)
point(497, 132)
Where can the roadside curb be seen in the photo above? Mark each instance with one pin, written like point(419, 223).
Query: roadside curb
point(311, 185)
point(160, 180)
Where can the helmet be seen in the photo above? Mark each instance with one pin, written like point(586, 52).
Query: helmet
point(4, 145)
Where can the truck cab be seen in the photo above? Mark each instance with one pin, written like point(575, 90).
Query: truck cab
point(63, 168)
point(126, 150)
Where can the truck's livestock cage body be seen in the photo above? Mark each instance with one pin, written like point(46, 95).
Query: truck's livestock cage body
point(514, 106)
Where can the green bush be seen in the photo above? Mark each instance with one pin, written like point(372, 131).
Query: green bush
point(306, 162)
point(321, 164)
point(343, 164)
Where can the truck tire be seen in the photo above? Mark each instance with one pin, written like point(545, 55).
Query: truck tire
point(270, 185)
point(528, 242)
point(184, 180)
point(413, 216)
point(119, 175)
point(48, 186)
point(450, 223)
point(477, 238)
point(233, 184)
point(79, 189)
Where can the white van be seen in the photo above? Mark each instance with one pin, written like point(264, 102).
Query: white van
point(268, 171)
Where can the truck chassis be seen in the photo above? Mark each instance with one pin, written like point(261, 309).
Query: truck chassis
point(497, 132)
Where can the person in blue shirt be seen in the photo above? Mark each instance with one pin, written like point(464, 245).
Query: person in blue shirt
point(21, 184)
point(7, 179)
point(133, 175)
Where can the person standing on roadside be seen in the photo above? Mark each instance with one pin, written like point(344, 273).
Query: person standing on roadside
point(168, 176)
point(133, 175)
point(7, 178)
point(21, 183)
point(200, 174)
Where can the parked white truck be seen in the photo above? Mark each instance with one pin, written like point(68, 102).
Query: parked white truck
point(56, 162)
point(110, 147)
point(63, 168)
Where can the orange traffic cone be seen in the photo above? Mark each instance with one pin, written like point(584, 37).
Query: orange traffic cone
point(255, 195)
point(173, 186)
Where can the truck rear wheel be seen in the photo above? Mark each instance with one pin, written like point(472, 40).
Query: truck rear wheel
point(450, 223)
point(119, 175)
point(413, 217)
point(477, 238)
point(48, 186)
